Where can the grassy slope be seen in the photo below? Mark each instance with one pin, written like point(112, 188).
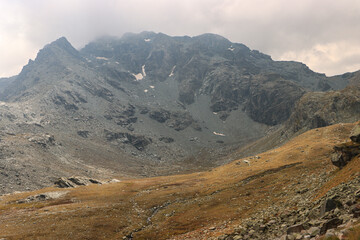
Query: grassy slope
point(178, 206)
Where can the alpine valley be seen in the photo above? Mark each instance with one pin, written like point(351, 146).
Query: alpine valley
point(151, 105)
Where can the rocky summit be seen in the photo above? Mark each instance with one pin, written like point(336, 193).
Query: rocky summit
point(149, 104)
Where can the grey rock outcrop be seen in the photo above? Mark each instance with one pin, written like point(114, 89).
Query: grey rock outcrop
point(43, 197)
point(72, 182)
point(355, 134)
point(345, 152)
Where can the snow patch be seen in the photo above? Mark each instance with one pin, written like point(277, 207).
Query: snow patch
point(138, 76)
point(2, 104)
point(219, 134)
point(152, 86)
point(172, 71)
point(102, 58)
point(147, 39)
point(247, 162)
point(215, 113)
point(143, 70)
point(145, 91)
point(231, 48)
point(117, 62)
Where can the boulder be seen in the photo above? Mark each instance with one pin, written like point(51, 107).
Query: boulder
point(355, 134)
point(330, 224)
point(355, 210)
point(72, 182)
point(138, 141)
point(43, 140)
point(83, 134)
point(330, 204)
point(177, 120)
point(159, 115)
point(166, 139)
point(344, 153)
point(355, 138)
point(43, 197)
point(295, 228)
point(313, 231)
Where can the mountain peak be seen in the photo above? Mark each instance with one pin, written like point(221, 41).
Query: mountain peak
point(57, 48)
point(211, 36)
point(62, 41)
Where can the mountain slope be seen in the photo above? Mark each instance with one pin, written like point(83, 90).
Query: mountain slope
point(143, 105)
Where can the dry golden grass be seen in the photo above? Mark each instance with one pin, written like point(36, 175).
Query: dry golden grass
point(177, 206)
point(354, 233)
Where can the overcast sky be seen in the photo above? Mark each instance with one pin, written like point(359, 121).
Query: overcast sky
point(325, 35)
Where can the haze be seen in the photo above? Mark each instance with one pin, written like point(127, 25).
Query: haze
point(322, 34)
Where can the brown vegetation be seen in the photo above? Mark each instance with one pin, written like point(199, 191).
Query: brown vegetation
point(196, 206)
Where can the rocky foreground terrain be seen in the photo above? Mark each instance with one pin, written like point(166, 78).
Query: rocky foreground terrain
point(149, 104)
point(290, 192)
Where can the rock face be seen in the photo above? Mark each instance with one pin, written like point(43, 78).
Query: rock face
point(139, 142)
point(146, 103)
point(346, 151)
point(355, 134)
point(320, 109)
point(316, 109)
point(271, 99)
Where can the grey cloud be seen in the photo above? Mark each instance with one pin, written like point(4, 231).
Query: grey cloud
point(274, 27)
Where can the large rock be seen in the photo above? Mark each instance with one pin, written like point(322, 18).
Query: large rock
point(159, 115)
point(43, 197)
point(43, 140)
point(330, 204)
point(330, 224)
point(138, 141)
point(355, 134)
point(178, 120)
point(344, 153)
point(295, 228)
point(72, 182)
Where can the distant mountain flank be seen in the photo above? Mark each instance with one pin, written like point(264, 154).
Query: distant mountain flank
point(150, 104)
